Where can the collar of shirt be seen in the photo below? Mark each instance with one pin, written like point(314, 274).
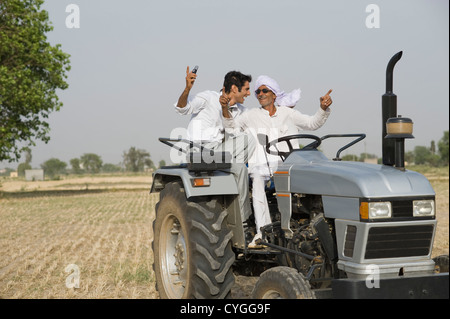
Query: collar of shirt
point(236, 109)
point(266, 112)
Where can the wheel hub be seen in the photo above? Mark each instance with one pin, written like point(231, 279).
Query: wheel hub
point(174, 268)
point(179, 256)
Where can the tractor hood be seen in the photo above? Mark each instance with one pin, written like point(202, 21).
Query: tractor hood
point(310, 172)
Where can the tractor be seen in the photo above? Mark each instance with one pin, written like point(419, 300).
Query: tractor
point(340, 229)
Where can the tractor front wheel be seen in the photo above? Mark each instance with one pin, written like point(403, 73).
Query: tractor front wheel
point(282, 283)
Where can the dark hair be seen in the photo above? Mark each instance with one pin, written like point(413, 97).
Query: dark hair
point(236, 78)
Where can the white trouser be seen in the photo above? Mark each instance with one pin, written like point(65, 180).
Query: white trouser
point(240, 147)
point(260, 205)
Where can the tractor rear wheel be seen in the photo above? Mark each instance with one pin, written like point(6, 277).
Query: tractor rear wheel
point(192, 246)
point(282, 283)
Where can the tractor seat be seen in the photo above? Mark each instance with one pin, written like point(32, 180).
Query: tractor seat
point(208, 161)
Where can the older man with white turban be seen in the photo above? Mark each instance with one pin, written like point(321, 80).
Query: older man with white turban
point(275, 118)
point(282, 98)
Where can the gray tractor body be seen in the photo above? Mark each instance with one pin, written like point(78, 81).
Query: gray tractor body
point(360, 244)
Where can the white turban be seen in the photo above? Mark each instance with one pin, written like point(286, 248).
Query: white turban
point(283, 99)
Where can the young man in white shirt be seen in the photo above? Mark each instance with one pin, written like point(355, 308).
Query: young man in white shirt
point(206, 126)
point(276, 122)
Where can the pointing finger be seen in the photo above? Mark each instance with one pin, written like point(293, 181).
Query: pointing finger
point(329, 92)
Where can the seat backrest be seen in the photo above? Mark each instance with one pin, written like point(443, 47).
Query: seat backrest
point(208, 161)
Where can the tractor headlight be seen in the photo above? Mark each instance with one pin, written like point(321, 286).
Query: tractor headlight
point(380, 210)
point(423, 208)
point(374, 210)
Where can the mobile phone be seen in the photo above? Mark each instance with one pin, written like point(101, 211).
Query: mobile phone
point(194, 70)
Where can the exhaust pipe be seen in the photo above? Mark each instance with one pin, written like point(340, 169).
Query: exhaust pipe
point(389, 110)
point(395, 128)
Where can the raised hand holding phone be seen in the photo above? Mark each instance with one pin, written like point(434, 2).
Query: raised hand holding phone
point(190, 77)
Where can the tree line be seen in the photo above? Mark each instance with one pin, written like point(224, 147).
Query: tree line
point(138, 160)
point(134, 160)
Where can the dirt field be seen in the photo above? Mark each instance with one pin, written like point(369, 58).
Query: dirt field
point(78, 183)
point(98, 230)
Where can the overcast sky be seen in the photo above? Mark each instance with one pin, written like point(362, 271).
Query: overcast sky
point(129, 60)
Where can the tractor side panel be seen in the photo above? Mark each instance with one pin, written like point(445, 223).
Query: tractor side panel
point(221, 183)
point(341, 207)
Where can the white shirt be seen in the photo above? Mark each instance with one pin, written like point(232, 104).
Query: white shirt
point(206, 123)
point(285, 121)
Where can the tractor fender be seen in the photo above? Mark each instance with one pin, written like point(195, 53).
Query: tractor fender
point(220, 182)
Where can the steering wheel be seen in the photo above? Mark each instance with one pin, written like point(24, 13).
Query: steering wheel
point(287, 139)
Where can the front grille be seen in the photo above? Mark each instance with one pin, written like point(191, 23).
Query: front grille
point(402, 208)
point(399, 241)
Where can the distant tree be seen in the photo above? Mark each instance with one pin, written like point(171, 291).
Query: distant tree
point(92, 163)
point(22, 168)
point(28, 155)
point(162, 163)
point(409, 157)
point(135, 160)
point(31, 71)
point(76, 166)
point(54, 167)
point(433, 160)
point(364, 156)
point(110, 168)
point(433, 147)
point(350, 157)
point(421, 155)
point(443, 148)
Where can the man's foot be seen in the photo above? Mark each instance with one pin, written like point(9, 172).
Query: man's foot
point(255, 242)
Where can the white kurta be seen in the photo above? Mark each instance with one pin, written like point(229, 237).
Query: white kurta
point(206, 117)
point(285, 121)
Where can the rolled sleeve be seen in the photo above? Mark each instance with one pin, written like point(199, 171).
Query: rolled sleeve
point(182, 110)
point(194, 105)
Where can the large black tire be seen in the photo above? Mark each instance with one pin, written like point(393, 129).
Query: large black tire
point(192, 247)
point(282, 283)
